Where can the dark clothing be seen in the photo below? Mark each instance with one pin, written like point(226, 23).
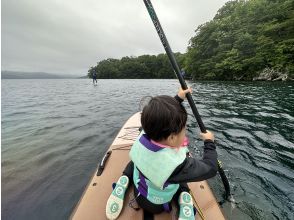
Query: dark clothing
point(94, 78)
point(191, 170)
point(194, 170)
point(178, 99)
point(142, 201)
point(183, 73)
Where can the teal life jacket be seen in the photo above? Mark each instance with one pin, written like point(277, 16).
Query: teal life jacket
point(153, 165)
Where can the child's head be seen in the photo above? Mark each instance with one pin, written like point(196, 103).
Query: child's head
point(164, 119)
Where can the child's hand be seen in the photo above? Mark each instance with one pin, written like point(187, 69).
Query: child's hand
point(207, 136)
point(182, 93)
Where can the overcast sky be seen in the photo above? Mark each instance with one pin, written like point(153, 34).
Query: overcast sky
point(69, 36)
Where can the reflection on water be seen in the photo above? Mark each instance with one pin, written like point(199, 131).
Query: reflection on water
point(54, 132)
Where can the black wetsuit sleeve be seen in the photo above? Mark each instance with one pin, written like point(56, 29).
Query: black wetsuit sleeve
point(180, 100)
point(193, 170)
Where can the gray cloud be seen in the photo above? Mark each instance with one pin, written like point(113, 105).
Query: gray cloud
point(70, 36)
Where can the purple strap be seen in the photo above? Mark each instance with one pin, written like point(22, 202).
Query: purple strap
point(142, 188)
point(166, 207)
point(148, 144)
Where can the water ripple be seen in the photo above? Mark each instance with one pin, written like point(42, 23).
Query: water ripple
point(54, 136)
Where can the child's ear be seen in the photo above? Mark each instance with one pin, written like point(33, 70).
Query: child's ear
point(171, 139)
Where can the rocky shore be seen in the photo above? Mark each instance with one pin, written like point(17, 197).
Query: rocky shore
point(269, 74)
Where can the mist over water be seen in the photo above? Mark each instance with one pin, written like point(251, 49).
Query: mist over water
point(54, 133)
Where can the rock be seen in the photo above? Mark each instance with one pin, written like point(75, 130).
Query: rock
point(269, 74)
point(282, 77)
point(238, 78)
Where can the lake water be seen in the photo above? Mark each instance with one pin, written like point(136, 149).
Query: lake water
point(54, 133)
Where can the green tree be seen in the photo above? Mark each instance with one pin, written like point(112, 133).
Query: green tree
point(243, 38)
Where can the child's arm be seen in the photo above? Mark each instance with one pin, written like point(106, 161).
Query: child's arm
point(192, 169)
point(207, 136)
point(180, 97)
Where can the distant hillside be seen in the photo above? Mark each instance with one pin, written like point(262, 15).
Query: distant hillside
point(34, 75)
point(83, 77)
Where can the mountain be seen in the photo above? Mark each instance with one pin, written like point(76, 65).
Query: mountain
point(34, 75)
point(84, 77)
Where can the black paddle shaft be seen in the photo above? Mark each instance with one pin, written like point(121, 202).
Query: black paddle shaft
point(173, 62)
point(177, 71)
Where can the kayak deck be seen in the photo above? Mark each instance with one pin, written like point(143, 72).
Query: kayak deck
point(93, 201)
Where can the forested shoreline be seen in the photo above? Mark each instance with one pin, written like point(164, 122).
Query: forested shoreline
point(246, 40)
point(142, 67)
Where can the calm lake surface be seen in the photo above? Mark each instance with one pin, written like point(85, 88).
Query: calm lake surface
point(54, 133)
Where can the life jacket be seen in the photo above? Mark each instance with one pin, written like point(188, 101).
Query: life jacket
point(153, 165)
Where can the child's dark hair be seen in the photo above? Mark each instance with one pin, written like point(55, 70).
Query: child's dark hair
point(163, 116)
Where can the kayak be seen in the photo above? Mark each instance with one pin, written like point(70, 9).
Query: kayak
point(92, 204)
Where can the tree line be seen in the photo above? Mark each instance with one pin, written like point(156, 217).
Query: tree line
point(142, 67)
point(243, 38)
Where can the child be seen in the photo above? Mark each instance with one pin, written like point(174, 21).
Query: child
point(160, 167)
